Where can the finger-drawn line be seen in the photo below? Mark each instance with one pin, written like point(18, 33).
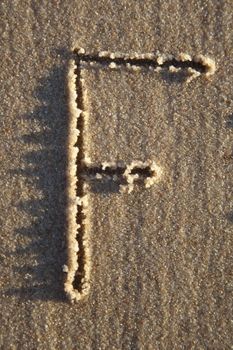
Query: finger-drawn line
point(78, 256)
point(79, 171)
point(195, 66)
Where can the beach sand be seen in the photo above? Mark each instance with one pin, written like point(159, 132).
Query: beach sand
point(160, 257)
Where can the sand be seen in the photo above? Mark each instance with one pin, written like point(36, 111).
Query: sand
point(160, 257)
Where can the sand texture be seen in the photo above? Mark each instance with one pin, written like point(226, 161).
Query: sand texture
point(149, 180)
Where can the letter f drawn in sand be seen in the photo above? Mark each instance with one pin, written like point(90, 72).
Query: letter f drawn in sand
point(80, 169)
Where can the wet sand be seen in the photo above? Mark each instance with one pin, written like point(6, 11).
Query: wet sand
point(161, 257)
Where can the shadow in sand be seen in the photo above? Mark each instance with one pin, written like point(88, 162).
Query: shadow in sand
point(230, 217)
point(229, 122)
point(44, 170)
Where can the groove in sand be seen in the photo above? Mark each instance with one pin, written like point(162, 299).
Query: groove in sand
point(77, 284)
